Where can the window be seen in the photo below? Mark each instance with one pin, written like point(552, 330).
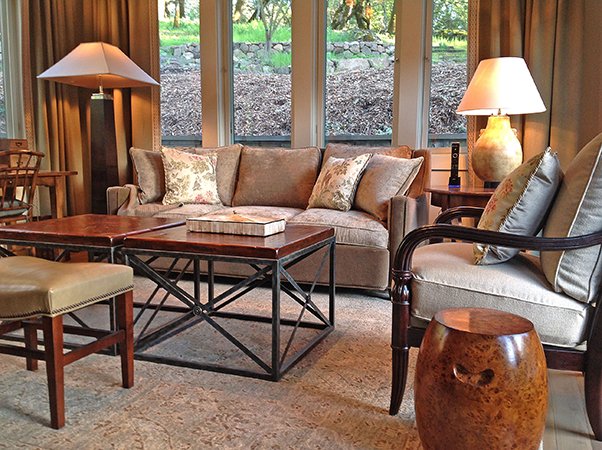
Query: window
point(3, 131)
point(261, 63)
point(181, 119)
point(448, 72)
point(360, 46)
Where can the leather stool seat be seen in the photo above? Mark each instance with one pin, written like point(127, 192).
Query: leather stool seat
point(31, 287)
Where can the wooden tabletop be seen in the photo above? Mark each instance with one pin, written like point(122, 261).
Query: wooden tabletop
point(87, 229)
point(178, 239)
point(488, 322)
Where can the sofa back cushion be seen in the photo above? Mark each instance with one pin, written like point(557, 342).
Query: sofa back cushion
point(276, 176)
point(148, 174)
point(384, 177)
point(577, 211)
point(422, 178)
point(228, 159)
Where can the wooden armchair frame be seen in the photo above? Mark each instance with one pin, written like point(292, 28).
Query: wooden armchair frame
point(18, 169)
point(405, 336)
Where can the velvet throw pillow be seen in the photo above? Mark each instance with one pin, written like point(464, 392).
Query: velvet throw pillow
point(337, 182)
point(577, 211)
point(189, 178)
point(384, 177)
point(520, 204)
point(150, 177)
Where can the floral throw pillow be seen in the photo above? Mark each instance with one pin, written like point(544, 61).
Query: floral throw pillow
point(189, 178)
point(520, 204)
point(337, 182)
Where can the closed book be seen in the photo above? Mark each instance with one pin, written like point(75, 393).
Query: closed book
point(245, 224)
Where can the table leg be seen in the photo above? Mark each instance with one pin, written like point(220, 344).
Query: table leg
point(276, 321)
point(58, 193)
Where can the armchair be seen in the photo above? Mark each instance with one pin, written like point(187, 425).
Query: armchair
point(428, 278)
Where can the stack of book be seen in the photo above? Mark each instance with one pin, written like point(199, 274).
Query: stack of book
point(234, 223)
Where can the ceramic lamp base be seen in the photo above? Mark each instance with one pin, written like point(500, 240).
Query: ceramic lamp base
point(497, 152)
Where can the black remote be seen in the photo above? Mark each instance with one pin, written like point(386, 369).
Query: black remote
point(454, 179)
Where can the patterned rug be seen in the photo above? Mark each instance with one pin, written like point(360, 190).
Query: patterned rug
point(336, 397)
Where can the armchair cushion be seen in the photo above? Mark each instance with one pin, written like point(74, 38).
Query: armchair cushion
point(519, 204)
point(577, 211)
point(445, 277)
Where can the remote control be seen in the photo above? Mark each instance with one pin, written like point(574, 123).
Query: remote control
point(454, 179)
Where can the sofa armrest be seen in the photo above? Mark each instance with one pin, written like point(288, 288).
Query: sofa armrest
point(120, 198)
point(405, 215)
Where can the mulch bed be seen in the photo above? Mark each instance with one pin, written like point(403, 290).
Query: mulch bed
point(358, 102)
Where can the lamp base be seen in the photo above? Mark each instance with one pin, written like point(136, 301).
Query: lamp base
point(497, 152)
point(103, 151)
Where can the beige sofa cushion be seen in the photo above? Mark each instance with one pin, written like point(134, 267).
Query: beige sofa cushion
point(519, 204)
point(146, 210)
point(350, 227)
point(149, 175)
point(276, 176)
point(577, 211)
point(384, 177)
point(445, 277)
point(228, 159)
point(349, 151)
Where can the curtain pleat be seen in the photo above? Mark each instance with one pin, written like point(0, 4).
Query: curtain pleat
point(61, 112)
point(560, 41)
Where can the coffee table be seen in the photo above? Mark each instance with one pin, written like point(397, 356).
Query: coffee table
point(270, 258)
point(99, 234)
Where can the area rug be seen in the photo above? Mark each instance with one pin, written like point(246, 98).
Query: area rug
point(336, 397)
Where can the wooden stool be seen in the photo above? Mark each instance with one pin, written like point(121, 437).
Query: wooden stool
point(31, 287)
point(481, 382)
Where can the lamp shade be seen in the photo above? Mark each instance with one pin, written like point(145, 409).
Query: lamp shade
point(501, 85)
point(95, 64)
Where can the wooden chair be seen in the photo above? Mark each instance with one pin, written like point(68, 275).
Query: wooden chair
point(429, 278)
point(32, 287)
point(18, 173)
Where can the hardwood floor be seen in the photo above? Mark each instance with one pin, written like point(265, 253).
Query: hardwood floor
point(567, 427)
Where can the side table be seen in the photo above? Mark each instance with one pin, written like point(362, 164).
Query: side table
point(446, 197)
point(481, 381)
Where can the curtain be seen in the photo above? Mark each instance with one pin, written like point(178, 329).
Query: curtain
point(561, 42)
point(60, 113)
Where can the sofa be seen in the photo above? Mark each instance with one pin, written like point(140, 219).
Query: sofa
point(278, 183)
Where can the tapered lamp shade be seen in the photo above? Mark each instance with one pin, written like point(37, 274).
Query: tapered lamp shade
point(501, 85)
point(98, 64)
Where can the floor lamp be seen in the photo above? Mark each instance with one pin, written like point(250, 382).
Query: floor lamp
point(97, 65)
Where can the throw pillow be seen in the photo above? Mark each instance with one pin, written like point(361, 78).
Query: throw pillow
point(519, 204)
point(227, 169)
point(384, 177)
point(337, 182)
point(150, 177)
point(189, 178)
point(577, 211)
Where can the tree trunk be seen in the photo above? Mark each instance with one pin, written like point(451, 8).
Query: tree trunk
point(392, 18)
point(340, 16)
point(363, 22)
point(238, 17)
point(176, 18)
point(182, 8)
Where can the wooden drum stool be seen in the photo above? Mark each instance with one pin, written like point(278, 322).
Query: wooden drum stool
point(481, 382)
point(32, 287)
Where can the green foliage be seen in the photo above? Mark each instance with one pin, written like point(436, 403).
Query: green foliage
point(450, 19)
point(449, 50)
point(280, 59)
point(186, 33)
point(253, 32)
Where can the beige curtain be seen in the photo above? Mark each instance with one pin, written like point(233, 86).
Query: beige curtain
point(60, 113)
point(561, 41)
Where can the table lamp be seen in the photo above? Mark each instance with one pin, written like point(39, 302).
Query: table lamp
point(499, 87)
point(98, 65)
